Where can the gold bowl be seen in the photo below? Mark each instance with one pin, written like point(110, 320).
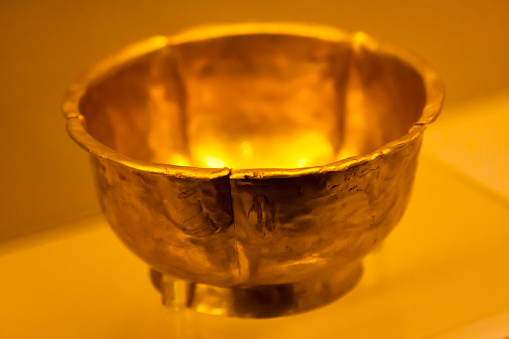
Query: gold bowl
point(253, 166)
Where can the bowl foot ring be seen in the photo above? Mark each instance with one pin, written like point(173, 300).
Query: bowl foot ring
point(264, 301)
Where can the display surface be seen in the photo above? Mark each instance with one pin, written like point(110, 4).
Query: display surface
point(440, 272)
point(258, 163)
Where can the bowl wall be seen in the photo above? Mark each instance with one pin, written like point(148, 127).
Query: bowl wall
point(257, 154)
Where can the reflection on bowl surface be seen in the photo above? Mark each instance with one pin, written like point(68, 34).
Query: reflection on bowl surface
point(254, 159)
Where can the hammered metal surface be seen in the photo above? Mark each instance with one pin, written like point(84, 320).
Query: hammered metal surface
point(290, 228)
point(255, 154)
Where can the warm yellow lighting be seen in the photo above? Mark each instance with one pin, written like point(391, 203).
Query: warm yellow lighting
point(302, 162)
point(347, 152)
point(247, 148)
point(214, 162)
point(253, 107)
point(310, 149)
point(301, 149)
point(179, 159)
point(210, 310)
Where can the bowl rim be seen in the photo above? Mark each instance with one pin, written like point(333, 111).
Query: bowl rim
point(433, 86)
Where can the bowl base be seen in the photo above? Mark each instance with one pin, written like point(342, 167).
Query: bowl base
point(265, 301)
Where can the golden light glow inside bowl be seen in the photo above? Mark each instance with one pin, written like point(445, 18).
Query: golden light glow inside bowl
point(255, 100)
point(257, 162)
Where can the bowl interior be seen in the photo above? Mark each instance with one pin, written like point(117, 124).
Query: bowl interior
point(254, 101)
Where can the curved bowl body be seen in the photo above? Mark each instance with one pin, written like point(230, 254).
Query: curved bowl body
point(252, 155)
